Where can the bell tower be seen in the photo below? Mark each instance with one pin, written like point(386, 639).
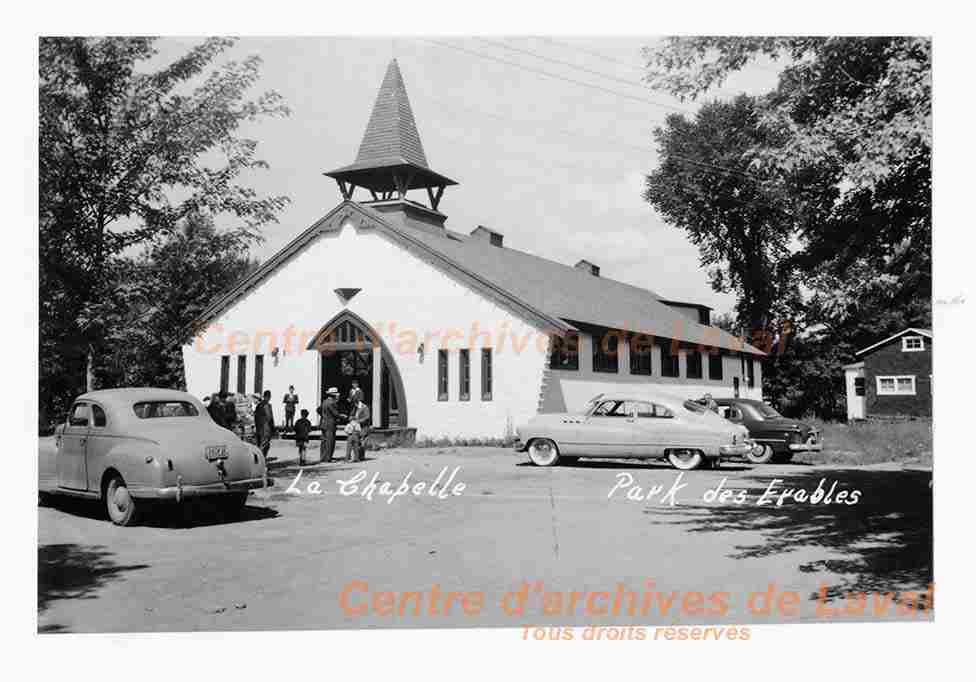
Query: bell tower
point(391, 159)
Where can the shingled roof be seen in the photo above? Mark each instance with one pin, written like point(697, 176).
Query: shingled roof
point(391, 140)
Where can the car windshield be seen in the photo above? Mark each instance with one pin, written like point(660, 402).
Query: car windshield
point(155, 409)
point(766, 412)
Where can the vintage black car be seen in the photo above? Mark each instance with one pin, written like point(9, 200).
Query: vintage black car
point(776, 437)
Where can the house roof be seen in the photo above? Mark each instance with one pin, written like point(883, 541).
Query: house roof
point(553, 295)
point(910, 330)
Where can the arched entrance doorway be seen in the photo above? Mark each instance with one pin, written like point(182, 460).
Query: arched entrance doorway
point(352, 351)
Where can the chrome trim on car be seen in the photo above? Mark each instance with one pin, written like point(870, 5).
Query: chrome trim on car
point(180, 491)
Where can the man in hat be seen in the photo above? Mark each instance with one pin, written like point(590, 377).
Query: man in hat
point(328, 420)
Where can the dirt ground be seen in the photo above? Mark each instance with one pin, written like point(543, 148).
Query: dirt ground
point(516, 535)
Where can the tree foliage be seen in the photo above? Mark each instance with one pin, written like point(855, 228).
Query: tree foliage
point(126, 154)
point(843, 145)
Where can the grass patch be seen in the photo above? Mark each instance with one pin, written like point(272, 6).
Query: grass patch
point(872, 442)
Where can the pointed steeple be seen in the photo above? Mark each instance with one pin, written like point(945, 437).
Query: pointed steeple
point(391, 159)
point(392, 132)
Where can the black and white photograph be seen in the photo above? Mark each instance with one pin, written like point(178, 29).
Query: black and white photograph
point(566, 336)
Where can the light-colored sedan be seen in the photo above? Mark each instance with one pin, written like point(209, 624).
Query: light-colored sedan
point(128, 446)
point(649, 425)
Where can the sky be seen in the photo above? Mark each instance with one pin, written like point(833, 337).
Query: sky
point(549, 138)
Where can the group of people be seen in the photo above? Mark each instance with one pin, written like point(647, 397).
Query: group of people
point(222, 408)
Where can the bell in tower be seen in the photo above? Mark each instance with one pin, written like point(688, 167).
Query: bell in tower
point(391, 159)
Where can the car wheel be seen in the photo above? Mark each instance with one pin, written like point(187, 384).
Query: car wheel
point(761, 453)
point(543, 452)
point(120, 505)
point(685, 460)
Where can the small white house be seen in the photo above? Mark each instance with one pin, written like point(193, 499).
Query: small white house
point(450, 333)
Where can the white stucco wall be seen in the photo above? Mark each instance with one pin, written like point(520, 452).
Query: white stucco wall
point(569, 390)
point(418, 300)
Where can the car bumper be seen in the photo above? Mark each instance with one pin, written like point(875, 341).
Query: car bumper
point(738, 450)
point(808, 446)
point(179, 491)
point(519, 446)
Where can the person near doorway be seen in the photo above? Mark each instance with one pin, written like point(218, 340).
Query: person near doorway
point(362, 416)
point(229, 406)
point(353, 433)
point(302, 428)
point(291, 402)
point(355, 394)
point(264, 423)
point(328, 421)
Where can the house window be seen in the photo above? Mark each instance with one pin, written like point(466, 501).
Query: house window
point(242, 374)
point(694, 362)
point(486, 370)
point(442, 374)
point(640, 356)
point(605, 352)
point(859, 386)
point(464, 374)
point(669, 362)
point(259, 374)
point(224, 373)
point(896, 385)
point(565, 352)
point(751, 373)
point(912, 344)
point(715, 366)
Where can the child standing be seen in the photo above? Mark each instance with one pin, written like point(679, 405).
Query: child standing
point(353, 432)
point(302, 428)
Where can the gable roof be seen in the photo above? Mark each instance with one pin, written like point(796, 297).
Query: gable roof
point(555, 296)
point(912, 330)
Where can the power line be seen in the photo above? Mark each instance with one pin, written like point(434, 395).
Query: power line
point(561, 62)
point(547, 74)
point(593, 53)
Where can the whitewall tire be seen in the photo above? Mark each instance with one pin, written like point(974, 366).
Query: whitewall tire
point(686, 460)
point(543, 452)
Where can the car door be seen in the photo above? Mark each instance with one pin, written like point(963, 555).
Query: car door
point(71, 460)
point(99, 443)
point(608, 430)
point(653, 429)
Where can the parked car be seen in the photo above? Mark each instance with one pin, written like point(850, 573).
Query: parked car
point(128, 446)
point(645, 426)
point(776, 437)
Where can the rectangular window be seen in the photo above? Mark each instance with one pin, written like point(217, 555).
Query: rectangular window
point(464, 374)
point(442, 374)
point(259, 374)
point(694, 362)
point(242, 374)
point(224, 373)
point(896, 385)
point(859, 386)
point(912, 344)
point(751, 373)
point(486, 378)
point(640, 356)
point(669, 362)
point(715, 366)
point(565, 351)
point(605, 352)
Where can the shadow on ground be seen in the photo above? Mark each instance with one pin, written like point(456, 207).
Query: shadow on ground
point(886, 537)
point(72, 571)
point(188, 514)
point(628, 464)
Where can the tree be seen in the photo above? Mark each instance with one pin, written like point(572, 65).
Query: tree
point(705, 186)
point(126, 154)
point(846, 135)
point(160, 296)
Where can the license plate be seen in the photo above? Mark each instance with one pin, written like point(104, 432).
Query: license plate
point(214, 452)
